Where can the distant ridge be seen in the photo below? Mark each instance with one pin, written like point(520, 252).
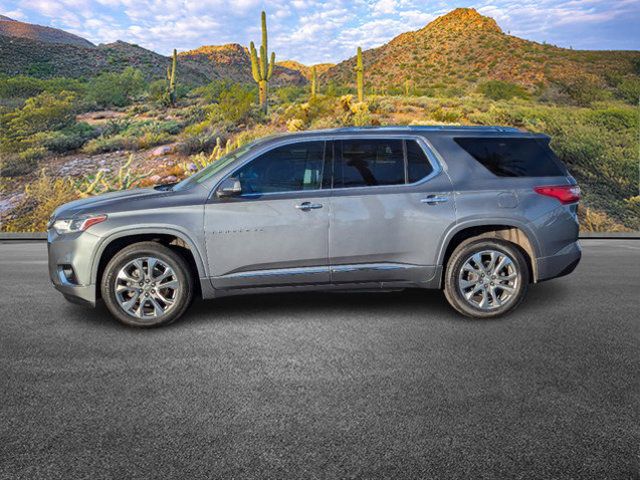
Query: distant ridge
point(14, 28)
point(232, 61)
point(464, 48)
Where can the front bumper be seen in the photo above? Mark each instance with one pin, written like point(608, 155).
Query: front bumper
point(562, 263)
point(71, 264)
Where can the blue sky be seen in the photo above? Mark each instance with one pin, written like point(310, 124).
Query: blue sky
point(314, 31)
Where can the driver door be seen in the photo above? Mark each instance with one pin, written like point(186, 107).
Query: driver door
point(275, 232)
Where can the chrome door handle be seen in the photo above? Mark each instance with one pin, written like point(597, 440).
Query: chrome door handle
point(305, 206)
point(433, 199)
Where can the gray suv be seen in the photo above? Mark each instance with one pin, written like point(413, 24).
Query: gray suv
point(480, 212)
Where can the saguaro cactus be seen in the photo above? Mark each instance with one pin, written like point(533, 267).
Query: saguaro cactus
point(261, 68)
point(171, 79)
point(360, 75)
point(314, 81)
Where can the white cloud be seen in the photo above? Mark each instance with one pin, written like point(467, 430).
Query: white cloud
point(312, 30)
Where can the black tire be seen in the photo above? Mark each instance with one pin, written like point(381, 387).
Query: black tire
point(453, 288)
point(183, 295)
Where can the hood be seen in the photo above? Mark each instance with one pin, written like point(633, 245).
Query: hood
point(106, 202)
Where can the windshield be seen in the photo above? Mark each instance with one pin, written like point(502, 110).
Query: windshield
point(213, 168)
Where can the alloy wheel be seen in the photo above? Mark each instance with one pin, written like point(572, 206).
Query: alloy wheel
point(488, 279)
point(146, 287)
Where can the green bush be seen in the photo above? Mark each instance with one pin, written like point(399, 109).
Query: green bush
point(629, 90)
point(70, 138)
point(235, 105)
point(499, 90)
point(115, 89)
point(583, 90)
point(22, 131)
point(22, 86)
point(127, 135)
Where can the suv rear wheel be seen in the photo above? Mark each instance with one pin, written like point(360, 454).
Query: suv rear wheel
point(147, 285)
point(486, 278)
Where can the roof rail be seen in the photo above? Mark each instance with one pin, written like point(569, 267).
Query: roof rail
point(430, 128)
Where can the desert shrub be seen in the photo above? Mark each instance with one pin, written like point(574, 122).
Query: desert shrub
point(41, 198)
point(582, 90)
point(613, 118)
point(629, 90)
point(499, 90)
point(291, 93)
point(115, 89)
point(234, 105)
point(22, 86)
point(127, 135)
point(445, 115)
point(156, 91)
point(23, 131)
point(210, 92)
point(69, 138)
point(597, 221)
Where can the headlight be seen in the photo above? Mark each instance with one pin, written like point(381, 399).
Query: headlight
point(77, 224)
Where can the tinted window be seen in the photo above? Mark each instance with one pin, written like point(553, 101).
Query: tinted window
point(418, 165)
point(365, 163)
point(514, 157)
point(289, 168)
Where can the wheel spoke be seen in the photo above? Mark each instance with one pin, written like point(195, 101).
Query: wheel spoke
point(464, 284)
point(495, 300)
point(157, 309)
point(131, 302)
point(501, 264)
point(170, 284)
point(151, 263)
point(506, 288)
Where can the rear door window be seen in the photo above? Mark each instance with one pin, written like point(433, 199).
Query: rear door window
point(379, 162)
point(514, 157)
point(369, 163)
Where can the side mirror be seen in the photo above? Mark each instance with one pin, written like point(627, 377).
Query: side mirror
point(230, 187)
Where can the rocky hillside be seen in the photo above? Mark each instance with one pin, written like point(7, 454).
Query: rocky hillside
point(232, 62)
point(48, 52)
point(463, 48)
point(13, 28)
point(305, 70)
point(30, 57)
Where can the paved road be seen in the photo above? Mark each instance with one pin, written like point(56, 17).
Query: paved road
point(325, 385)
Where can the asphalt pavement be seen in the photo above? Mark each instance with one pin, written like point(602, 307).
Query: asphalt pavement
point(366, 385)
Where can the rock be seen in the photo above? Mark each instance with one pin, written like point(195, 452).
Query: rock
point(170, 179)
point(155, 179)
point(161, 150)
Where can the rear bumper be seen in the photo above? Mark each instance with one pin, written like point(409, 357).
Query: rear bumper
point(562, 263)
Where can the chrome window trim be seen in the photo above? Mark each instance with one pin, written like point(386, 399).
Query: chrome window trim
point(433, 158)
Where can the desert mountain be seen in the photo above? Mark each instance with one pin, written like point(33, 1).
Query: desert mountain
point(31, 57)
point(232, 62)
point(305, 70)
point(464, 47)
point(13, 28)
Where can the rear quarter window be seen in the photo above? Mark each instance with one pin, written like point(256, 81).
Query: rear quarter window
point(514, 157)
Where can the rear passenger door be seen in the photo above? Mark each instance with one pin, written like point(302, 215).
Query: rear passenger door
point(391, 204)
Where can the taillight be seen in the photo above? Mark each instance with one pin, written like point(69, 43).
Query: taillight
point(565, 193)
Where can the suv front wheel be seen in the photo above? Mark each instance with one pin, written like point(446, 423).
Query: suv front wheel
point(147, 285)
point(486, 278)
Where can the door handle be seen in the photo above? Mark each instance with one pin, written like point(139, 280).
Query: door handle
point(433, 199)
point(306, 206)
